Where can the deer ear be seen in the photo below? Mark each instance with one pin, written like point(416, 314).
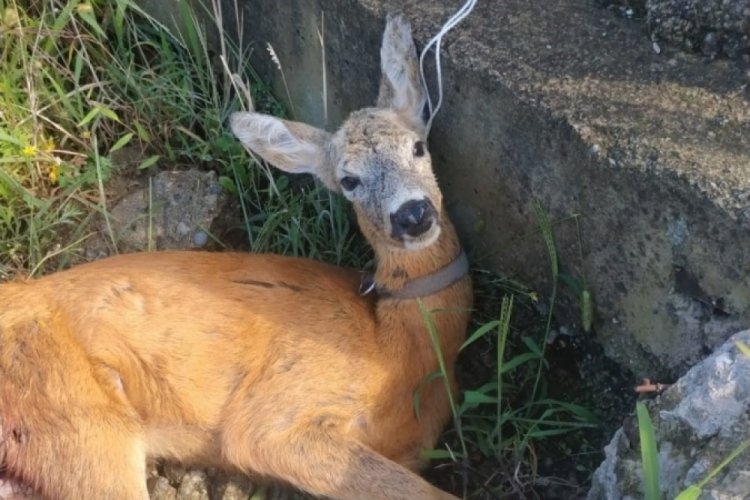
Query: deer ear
point(293, 147)
point(401, 87)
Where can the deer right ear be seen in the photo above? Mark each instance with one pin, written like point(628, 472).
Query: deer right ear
point(293, 147)
point(401, 87)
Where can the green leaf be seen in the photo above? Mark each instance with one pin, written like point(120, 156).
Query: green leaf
point(479, 333)
point(142, 132)
point(577, 410)
point(438, 455)
point(9, 139)
point(13, 185)
point(649, 453)
point(517, 361)
point(474, 397)
point(108, 113)
point(151, 160)
point(572, 282)
point(546, 228)
point(96, 111)
point(743, 347)
point(692, 492)
point(90, 19)
point(227, 184)
point(533, 347)
point(121, 142)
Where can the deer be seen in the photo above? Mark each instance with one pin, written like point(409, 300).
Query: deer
point(278, 367)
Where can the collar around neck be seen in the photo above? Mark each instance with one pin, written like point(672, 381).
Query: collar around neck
point(423, 286)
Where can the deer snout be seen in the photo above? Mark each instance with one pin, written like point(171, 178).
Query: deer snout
point(413, 218)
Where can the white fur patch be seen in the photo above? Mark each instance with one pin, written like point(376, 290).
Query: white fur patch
point(270, 138)
point(423, 241)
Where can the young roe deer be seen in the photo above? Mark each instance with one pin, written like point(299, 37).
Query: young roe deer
point(270, 365)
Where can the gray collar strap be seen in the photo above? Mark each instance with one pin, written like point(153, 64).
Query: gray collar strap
point(420, 287)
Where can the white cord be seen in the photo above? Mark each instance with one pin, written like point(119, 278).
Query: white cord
point(464, 11)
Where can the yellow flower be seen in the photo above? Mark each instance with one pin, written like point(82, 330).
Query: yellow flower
point(85, 8)
point(10, 17)
point(54, 172)
point(86, 134)
point(49, 145)
point(29, 151)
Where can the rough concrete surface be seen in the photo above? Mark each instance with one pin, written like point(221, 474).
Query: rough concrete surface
point(698, 422)
point(711, 26)
point(175, 212)
point(565, 104)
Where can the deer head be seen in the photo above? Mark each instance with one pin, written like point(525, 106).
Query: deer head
point(378, 159)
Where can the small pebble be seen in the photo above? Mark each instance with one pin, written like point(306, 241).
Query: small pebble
point(183, 229)
point(200, 238)
point(710, 45)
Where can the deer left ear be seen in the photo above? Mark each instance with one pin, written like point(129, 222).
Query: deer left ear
point(401, 87)
point(293, 147)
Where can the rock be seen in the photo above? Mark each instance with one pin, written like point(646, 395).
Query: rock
point(231, 487)
point(194, 486)
point(175, 215)
point(698, 421)
point(160, 489)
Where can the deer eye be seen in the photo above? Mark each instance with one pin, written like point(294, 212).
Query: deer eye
point(419, 148)
point(350, 183)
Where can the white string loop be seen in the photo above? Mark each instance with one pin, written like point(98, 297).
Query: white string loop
point(435, 41)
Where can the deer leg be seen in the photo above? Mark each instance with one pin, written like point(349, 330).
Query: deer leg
point(324, 463)
point(93, 459)
point(66, 430)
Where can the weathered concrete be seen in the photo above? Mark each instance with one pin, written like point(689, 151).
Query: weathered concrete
point(712, 27)
point(698, 422)
point(562, 103)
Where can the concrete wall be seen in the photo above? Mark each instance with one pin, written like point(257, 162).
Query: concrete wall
point(561, 103)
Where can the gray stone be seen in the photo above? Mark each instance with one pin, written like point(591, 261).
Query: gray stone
point(563, 103)
point(174, 215)
point(194, 486)
point(231, 487)
point(698, 422)
point(160, 489)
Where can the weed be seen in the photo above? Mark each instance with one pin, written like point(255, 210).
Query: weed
point(649, 453)
point(499, 419)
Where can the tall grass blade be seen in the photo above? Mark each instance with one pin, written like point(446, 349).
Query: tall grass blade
point(649, 453)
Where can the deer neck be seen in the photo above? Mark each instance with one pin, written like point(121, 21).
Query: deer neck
point(398, 267)
point(402, 325)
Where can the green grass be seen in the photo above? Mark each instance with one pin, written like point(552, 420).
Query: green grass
point(649, 453)
point(501, 419)
point(82, 82)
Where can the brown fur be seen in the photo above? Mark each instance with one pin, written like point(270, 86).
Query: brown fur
point(269, 365)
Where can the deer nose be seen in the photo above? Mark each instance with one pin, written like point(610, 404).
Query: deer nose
point(413, 218)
